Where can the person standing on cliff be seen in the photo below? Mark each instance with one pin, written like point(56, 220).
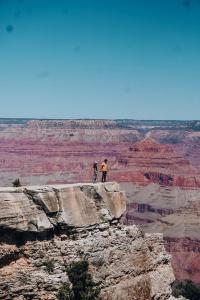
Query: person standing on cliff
point(104, 170)
point(95, 172)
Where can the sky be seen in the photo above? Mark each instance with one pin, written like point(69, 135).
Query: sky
point(135, 59)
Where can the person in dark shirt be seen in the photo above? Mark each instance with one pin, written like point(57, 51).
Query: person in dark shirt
point(95, 172)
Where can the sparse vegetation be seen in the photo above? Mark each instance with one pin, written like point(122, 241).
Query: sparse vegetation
point(50, 265)
point(83, 287)
point(187, 289)
point(16, 183)
point(65, 292)
point(71, 232)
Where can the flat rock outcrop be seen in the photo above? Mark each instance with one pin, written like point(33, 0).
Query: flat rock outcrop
point(84, 222)
point(39, 209)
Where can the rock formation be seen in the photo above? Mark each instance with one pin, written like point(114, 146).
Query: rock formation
point(62, 151)
point(161, 157)
point(60, 224)
point(174, 212)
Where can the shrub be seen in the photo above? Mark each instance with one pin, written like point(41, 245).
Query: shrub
point(187, 289)
point(82, 285)
point(49, 264)
point(16, 183)
point(64, 292)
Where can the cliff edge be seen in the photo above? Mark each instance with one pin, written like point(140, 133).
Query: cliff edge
point(46, 228)
point(42, 209)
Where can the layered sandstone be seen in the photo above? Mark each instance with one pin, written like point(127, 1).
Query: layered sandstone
point(174, 212)
point(68, 223)
point(62, 151)
point(39, 209)
point(161, 157)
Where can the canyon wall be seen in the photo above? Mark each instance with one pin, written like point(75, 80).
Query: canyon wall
point(159, 158)
point(62, 151)
point(175, 212)
point(56, 225)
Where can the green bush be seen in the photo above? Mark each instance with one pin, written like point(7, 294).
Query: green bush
point(187, 289)
point(64, 292)
point(16, 183)
point(83, 287)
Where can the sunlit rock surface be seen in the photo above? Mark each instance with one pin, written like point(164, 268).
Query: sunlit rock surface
point(41, 208)
point(71, 222)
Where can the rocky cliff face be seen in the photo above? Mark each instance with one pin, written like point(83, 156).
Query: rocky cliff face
point(62, 224)
point(174, 212)
point(161, 157)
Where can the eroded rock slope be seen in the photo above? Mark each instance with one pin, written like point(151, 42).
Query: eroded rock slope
point(174, 212)
point(62, 224)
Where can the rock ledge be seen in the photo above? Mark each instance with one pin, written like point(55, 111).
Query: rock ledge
point(84, 222)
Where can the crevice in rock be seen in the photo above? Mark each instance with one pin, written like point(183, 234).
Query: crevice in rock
point(10, 257)
point(31, 195)
point(40, 205)
point(19, 238)
point(91, 192)
point(57, 194)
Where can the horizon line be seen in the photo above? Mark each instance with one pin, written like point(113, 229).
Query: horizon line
point(97, 119)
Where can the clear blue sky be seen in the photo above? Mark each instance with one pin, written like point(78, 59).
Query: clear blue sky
point(100, 59)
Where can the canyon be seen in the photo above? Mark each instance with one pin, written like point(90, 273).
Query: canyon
point(156, 163)
point(174, 211)
point(46, 228)
point(48, 152)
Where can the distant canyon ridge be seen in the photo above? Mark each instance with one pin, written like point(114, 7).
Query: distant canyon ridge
point(63, 151)
point(156, 162)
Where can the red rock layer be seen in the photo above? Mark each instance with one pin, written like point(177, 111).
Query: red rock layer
point(185, 258)
point(63, 151)
point(162, 158)
point(175, 212)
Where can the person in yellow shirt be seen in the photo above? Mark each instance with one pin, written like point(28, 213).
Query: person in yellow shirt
point(104, 170)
